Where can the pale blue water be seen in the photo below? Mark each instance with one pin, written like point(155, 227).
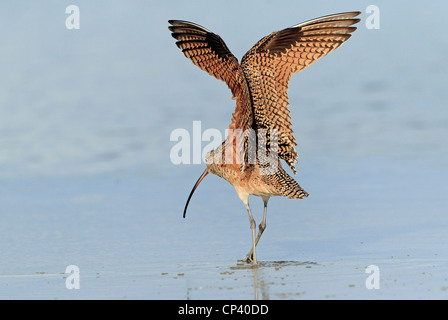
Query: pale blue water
point(86, 176)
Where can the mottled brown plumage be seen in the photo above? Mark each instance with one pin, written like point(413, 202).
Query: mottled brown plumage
point(259, 85)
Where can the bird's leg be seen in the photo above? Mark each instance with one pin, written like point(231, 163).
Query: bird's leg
point(261, 228)
point(262, 225)
point(253, 257)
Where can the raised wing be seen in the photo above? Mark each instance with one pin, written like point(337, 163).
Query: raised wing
point(271, 62)
point(209, 52)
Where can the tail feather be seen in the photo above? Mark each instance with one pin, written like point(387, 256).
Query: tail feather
point(289, 187)
point(285, 185)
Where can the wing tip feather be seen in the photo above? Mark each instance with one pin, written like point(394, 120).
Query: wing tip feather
point(184, 23)
point(332, 17)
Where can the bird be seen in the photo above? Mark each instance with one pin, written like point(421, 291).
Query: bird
point(260, 132)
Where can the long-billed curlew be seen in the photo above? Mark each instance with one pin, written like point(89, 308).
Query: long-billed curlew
point(260, 131)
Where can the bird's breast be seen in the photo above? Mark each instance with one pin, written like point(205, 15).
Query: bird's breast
point(248, 181)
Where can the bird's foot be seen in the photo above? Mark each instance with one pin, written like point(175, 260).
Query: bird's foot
point(249, 259)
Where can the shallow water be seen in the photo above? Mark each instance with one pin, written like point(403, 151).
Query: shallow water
point(86, 177)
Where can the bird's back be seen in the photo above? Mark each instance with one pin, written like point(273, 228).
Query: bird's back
point(263, 178)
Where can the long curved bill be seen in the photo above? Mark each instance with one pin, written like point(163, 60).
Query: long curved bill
point(194, 188)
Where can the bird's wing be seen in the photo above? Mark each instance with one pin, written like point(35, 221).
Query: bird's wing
point(209, 52)
point(271, 62)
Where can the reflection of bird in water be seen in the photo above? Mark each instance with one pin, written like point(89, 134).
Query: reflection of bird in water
point(261, 125)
